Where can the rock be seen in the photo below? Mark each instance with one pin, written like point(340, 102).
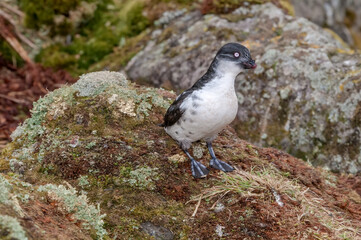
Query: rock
point(125, 178)
point(158, 232)
point(219, 230)
point(219, 207)
point(341, 16)
point(304, 96)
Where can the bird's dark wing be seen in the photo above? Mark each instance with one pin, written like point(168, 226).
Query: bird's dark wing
point(175, 112)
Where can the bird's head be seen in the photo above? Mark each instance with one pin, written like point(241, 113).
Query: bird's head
point(235, 54)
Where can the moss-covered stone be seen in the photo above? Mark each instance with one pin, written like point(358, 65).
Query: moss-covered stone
point(101, 167)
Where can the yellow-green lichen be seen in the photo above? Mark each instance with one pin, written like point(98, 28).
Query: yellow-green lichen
point(142, 178)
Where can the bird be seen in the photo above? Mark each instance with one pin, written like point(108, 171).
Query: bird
point(206, 108)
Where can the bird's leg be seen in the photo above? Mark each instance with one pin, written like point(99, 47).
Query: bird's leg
point(216, 163)
point(198, 169)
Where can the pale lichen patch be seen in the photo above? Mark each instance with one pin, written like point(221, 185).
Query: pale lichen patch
point(7, 196)
point(177, 158)
point(142, 178)
point(72, 202)
point(92, 84)
point(11, 228)
point(121, 106)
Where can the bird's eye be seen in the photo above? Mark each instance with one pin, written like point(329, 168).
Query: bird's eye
point(236, 54)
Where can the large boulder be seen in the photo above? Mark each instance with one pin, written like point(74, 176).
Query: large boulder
point(92, 163)
point(342, 16)
point(304, 97)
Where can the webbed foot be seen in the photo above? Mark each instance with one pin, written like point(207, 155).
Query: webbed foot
point(198, 169)
point(220, 165)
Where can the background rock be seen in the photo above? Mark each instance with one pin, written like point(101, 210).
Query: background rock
point(303, 97)
point(341, 16)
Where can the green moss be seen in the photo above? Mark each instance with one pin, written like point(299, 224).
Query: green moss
point(56, 57)
point(278, 31)
point(127, 49)
point(44, 13)
point(96, 36)
point(9, 54)
point(135, 22)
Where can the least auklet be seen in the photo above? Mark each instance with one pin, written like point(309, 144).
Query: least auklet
point(202, 111)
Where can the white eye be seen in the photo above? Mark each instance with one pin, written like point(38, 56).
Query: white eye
point(236, 54)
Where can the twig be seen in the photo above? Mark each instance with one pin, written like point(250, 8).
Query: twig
point(197, 206)
point(21, 36)
point(20, 101)
point(230, 214)
point(10, 38)
point(215, 203)
point(7, 17)
point(12, 9)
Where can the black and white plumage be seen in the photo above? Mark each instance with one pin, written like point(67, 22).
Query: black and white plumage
point(202, 111)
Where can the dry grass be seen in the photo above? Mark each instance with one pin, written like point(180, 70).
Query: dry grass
point(270, 184)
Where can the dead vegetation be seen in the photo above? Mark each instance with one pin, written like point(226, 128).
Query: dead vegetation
point(270, 186)
point(19, 88)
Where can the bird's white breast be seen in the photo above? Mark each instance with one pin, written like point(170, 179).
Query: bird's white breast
point(206, 111)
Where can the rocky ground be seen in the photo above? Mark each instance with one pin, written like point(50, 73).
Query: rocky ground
point(304, 96)
point(342, 17)
point(92, 162)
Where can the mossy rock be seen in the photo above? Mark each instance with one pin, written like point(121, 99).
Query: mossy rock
point(92, 162)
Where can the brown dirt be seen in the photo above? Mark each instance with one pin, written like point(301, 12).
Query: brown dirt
point(53, 222)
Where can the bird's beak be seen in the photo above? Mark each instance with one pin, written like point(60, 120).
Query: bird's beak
point(250, 64)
